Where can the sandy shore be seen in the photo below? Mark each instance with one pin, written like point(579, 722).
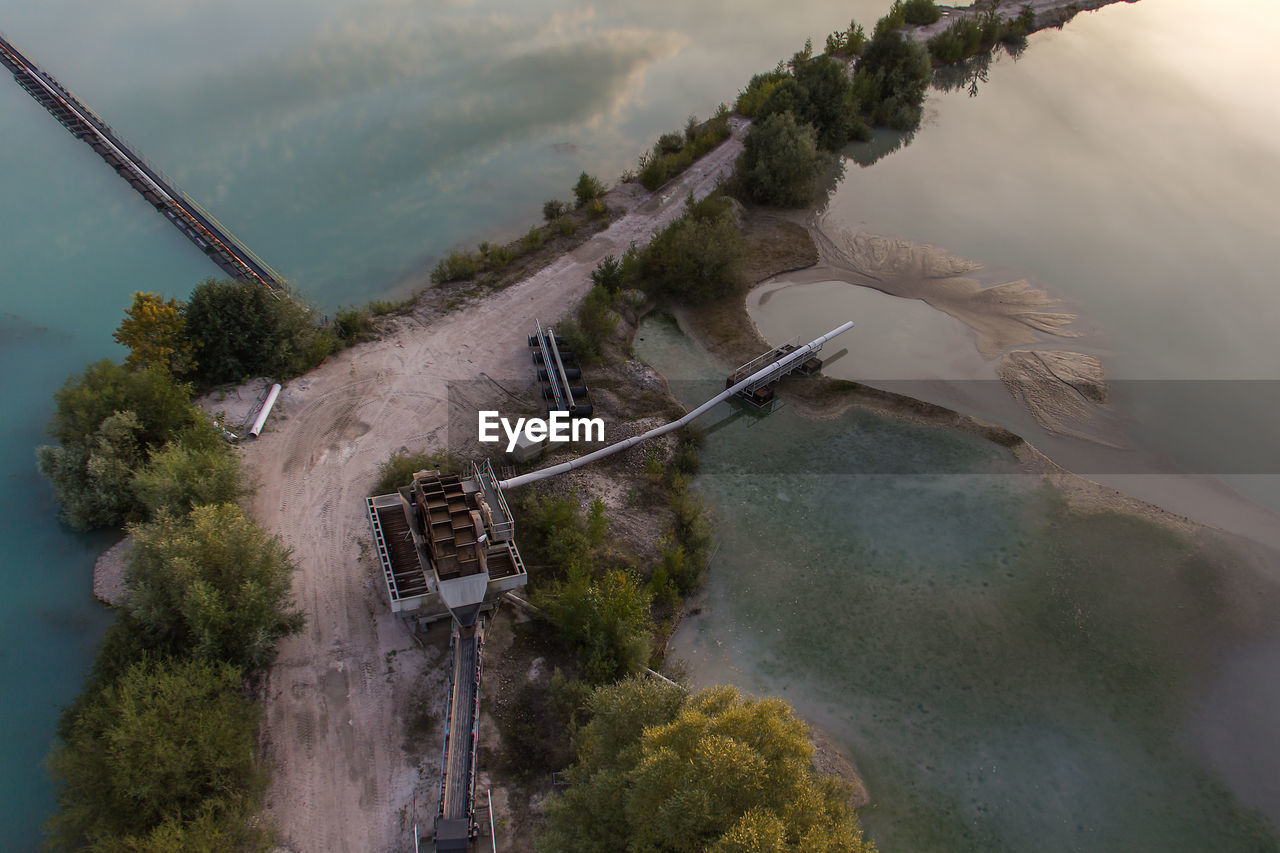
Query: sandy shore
point(342, 697)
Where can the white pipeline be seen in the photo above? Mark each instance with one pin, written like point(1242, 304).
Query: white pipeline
point(261, 419)
point(779, 367)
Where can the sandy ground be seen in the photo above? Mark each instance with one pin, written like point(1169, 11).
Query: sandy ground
point(343, 697)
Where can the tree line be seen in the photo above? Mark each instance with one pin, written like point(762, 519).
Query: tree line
point(158, 753)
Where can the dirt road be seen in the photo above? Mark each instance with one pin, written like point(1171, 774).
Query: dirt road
point(342, 699)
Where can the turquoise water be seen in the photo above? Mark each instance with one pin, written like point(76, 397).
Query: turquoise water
point(1007, 672)
point(347, 143)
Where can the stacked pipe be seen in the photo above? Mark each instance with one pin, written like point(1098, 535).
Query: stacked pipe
point(557, 368)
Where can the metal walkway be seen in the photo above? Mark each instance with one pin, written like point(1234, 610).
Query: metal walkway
point(210, 236)
point(455, 818)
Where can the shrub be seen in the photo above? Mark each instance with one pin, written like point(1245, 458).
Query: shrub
point(847, 42)
point(715, 770)
point(893, 76)
point(555, 535)
point(566, 226)
point(93, 480)
point(104, 421)
point(161, 403)
point(595, 324)
point(758, 90)
point(399, 468)
point(456, 266)
point(781, 162)
point(605, 618)
point(609, 275)
point(533, 238)
point(352, 325)
point(498, 257)
point(553, 209)
point(160, 759)
point(587, 190)
point(238, 330)
point(697, 257)
point(178, 477)
point(154, 330)
point(212, 585)
point(920, 12)
point(894, 19)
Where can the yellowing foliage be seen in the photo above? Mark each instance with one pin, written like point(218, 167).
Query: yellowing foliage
point(154, 331)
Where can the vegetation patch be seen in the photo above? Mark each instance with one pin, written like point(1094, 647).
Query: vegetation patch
point(658, 769)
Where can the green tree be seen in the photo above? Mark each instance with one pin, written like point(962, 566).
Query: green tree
point(212, 585)
point(587, 190)
point(609, 274)
point(237, 330)
point(93, 480)
point(606, 618)
point(163, 405)
point(698, 257)
point(178, 477)
point(155, 333)
point(921, 12)
point(830, 104)
point(162, 754)
point(714, 771)
point(781, 161)
point(893, 76)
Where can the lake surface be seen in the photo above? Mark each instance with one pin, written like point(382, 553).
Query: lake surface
point(351, 143)
point(347, 143)
point(1009, 672)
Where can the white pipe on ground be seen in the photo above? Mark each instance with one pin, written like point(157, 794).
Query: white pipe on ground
point(261, 419)
point(777, 368)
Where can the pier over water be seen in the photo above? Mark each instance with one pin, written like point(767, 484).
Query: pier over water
point(209, 235)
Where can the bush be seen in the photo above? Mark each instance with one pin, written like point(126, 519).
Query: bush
point(498, 257)
point(399, 468)
point(154, 330)
point(597, 320)
point(554, 209)
point(715, 770)
point(238, 330)
point(758, 90)
point(105, 420)
point(178, 477)
point(964, 38)
point(352, 325)
point(456, 266)
point(162, 404)
point(893, 76)
point(533, 238)
point(212, 585)
point(555, 535)
point(781, 162)
point(848, 42)
point(895, 19)
point(587, 190)
point(697, 257)
point(93, 480)
point(605, 618)
point(160, 759)
point(921, 12)
point(608, 275)
point(821, 94)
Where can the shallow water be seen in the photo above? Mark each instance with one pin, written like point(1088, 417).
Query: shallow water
point(1008, 673)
